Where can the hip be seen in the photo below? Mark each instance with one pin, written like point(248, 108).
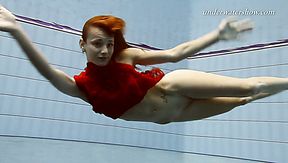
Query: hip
point(158, 106)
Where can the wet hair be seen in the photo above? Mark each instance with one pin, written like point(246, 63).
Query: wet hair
point(112, 25)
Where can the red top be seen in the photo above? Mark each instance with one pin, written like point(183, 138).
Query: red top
point(115, 88)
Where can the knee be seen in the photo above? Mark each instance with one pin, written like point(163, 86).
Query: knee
point(248, 89)
point(251, 88)
point(245, 100)
point(255, 86)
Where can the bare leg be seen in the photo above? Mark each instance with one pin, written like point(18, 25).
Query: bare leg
point(201, 85)
point(205, 108)
point(200, 109)
point(270, 85)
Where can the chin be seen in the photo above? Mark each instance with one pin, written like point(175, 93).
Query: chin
point(103, 64)
point(100, 63)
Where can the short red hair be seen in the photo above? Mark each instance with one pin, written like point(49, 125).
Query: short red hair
point(112, 25)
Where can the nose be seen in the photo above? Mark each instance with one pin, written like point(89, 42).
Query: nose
point(104, 50)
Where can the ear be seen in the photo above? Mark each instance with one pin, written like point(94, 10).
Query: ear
point(82, 44)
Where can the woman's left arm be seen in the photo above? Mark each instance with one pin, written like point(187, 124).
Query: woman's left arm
point(228, 29)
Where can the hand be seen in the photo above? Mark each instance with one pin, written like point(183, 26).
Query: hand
point(229, 28)
point(7, 20)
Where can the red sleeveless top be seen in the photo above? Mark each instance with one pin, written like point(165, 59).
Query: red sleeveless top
point(115, 88)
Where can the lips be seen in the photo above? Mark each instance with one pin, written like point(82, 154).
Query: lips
point(103, 58)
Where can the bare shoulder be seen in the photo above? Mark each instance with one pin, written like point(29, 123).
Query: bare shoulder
point(129, 55)
point(148, 57)
point(132, 51)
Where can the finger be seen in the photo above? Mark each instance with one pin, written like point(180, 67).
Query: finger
point(243, 25)
point(6, 12)
point(227, 22)
point(1, 7)
point(249, 22)
point(4, 9)
point(231, 19)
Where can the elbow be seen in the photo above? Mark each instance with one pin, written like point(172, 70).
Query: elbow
point(174, 56)
point(175, 60)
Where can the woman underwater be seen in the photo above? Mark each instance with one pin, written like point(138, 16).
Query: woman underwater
point(114, 88)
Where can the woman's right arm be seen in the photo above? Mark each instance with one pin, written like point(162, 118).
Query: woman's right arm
point(228, 29)
point(59, 79)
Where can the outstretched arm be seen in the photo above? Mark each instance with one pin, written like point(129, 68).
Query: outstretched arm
point(59, 79)
point(228, 29)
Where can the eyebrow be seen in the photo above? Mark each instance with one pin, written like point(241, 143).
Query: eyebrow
point(101, 38)
point(96, 39)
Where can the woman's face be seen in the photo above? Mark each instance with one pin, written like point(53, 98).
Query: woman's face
point(98, 47)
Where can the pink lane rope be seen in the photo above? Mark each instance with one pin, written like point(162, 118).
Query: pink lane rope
point(70, 30)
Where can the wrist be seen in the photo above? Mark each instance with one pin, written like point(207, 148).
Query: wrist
point(217, 34)
point(16, 30)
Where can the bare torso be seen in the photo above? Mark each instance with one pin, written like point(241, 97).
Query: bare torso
point(157, 106)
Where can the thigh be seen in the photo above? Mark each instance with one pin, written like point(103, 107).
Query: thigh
point(195, 84)
point(200, 109)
